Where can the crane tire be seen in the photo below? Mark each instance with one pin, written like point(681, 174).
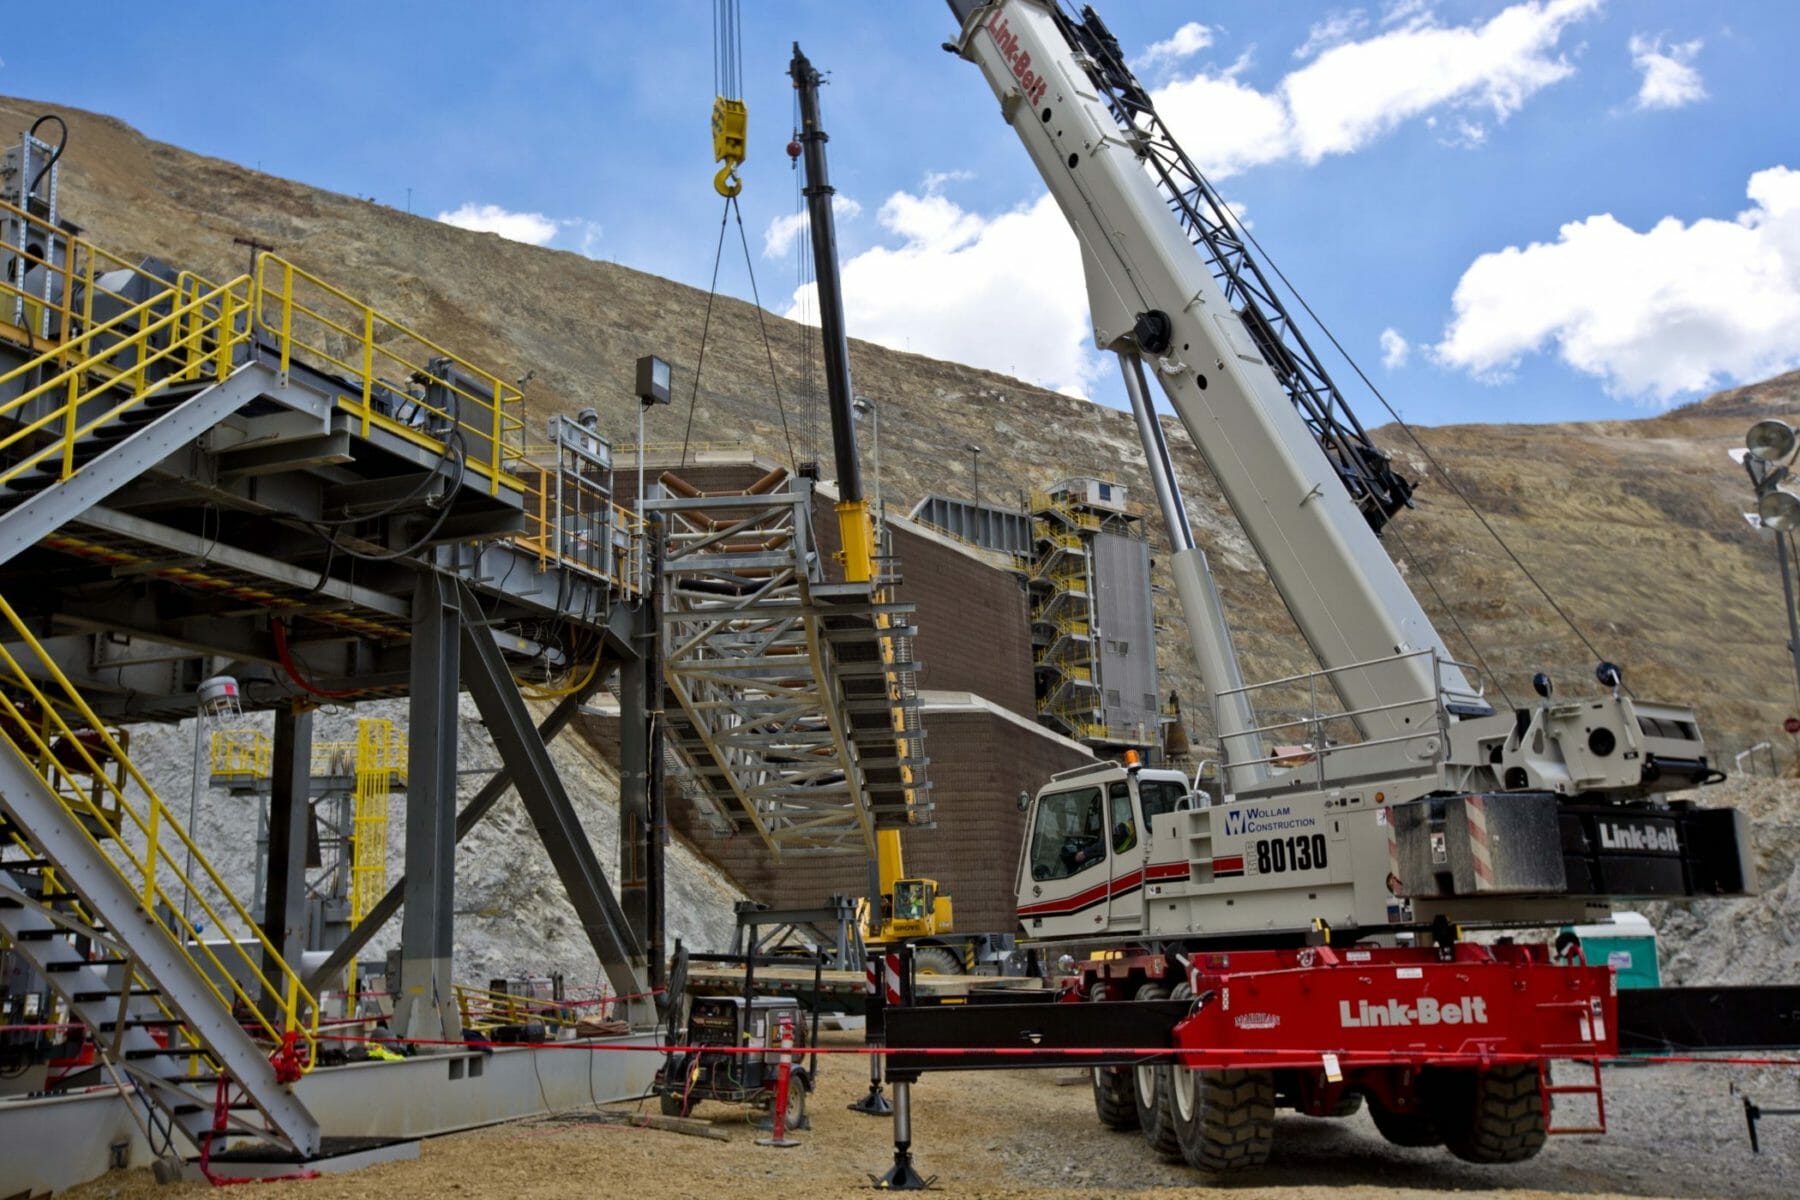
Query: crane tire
point(1495, 1115)
point(936, 960)
point(1150, 1087)
point(1113, 1100)
point(1224, 1119)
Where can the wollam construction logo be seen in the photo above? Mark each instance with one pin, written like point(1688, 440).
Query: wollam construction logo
point(1465, 1010)
point(1019, 60)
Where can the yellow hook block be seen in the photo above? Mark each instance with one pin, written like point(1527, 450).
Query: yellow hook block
point(730, 124)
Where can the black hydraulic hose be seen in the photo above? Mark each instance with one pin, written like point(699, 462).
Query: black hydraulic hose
point(61, 143)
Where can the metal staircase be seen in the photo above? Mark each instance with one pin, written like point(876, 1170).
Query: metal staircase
point(182, 995)
point(1061, 580)
point(795, 710)
point(117, 398)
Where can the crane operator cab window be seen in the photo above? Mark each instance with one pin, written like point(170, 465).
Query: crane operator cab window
point(1069, 835)
point(1124, 824)
point(912, 899)
point(1158, 796)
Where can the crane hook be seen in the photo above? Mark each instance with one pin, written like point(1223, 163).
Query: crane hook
point(729, 128)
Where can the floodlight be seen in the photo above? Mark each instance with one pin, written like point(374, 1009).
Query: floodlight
point(1779, 509)
point(653, 381)
point(1770, 440)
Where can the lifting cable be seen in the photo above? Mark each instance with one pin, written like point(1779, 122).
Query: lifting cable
point(729, 144)
point(1430, 458)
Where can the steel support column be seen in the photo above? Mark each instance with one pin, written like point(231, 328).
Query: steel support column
point(290, 818)
point(654, 816)
point(635, 704)
point(425, 1006)
point(547, 804)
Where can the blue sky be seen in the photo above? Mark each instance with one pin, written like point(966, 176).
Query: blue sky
point(1507, 209)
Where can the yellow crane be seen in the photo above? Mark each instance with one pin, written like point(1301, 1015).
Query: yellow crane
point(901, 906)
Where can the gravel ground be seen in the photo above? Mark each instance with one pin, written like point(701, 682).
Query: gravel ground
point(1678, 1131)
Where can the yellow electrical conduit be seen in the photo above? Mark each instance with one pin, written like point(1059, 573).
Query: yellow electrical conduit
point(150, 871)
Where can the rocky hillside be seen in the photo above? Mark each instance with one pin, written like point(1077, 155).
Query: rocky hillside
point(1633, 525)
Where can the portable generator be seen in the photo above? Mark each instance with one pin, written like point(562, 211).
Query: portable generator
point(699, 1073)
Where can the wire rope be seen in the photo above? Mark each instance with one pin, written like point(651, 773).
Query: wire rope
point(1406, 428)
point(763, 325)
point(712, 293)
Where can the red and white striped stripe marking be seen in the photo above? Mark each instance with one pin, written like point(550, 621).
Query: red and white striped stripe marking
point(1475, 809)
point(893, 979)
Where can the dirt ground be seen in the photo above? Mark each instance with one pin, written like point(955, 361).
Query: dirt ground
point(1677, 1131)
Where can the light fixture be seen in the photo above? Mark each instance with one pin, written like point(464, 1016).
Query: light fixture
point(1779, 509)
point(1770, 440)
point(653, 381)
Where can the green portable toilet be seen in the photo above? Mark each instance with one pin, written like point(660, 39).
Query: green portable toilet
point(1627, 944)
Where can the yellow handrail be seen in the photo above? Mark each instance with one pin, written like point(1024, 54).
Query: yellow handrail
point(213, 317)
point(292, 305)
point(240, 754)
point(152, 870)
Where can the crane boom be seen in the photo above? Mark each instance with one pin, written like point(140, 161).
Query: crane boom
point(1150, 293)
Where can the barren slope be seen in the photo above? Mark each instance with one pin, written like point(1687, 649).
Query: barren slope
point(1632, 524)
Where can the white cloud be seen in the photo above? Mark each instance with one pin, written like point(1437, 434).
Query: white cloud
point(1356, 91)
point(1336, 27)
point(532, 228)
point(1187, 41)
point(1402, 11)
point(1394, 349)
point(1674, 309)
point(1670, 78)
point(1003, 292)
point(779, 237)
point(584, 237)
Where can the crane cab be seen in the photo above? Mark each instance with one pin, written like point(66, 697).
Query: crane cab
point(1092, 844)
point(918, 911)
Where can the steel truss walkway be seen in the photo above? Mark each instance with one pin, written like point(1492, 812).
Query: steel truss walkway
point(266, 477)
point(795, 707)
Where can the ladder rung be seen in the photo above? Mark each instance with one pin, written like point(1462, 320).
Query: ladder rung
point(168, 1051)
point(75, 964)
point(138, 1023)
point(90, 997)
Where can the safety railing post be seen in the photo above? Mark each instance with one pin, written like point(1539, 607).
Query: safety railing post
point(368, 364)
point(494, 462)
point(287, 321)
point(227, 331)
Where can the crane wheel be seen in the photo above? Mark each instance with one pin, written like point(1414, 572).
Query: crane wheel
point(1417, 1128)
point(1114, 1103)
point(1151, 1084)
point(936, 960)
point(1494, 1115)
point(1224, 1120)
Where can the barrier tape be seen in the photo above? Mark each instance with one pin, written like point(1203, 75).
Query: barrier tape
point(1286, 1057)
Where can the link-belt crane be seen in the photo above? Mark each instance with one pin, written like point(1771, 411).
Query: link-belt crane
point(1368, 811)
